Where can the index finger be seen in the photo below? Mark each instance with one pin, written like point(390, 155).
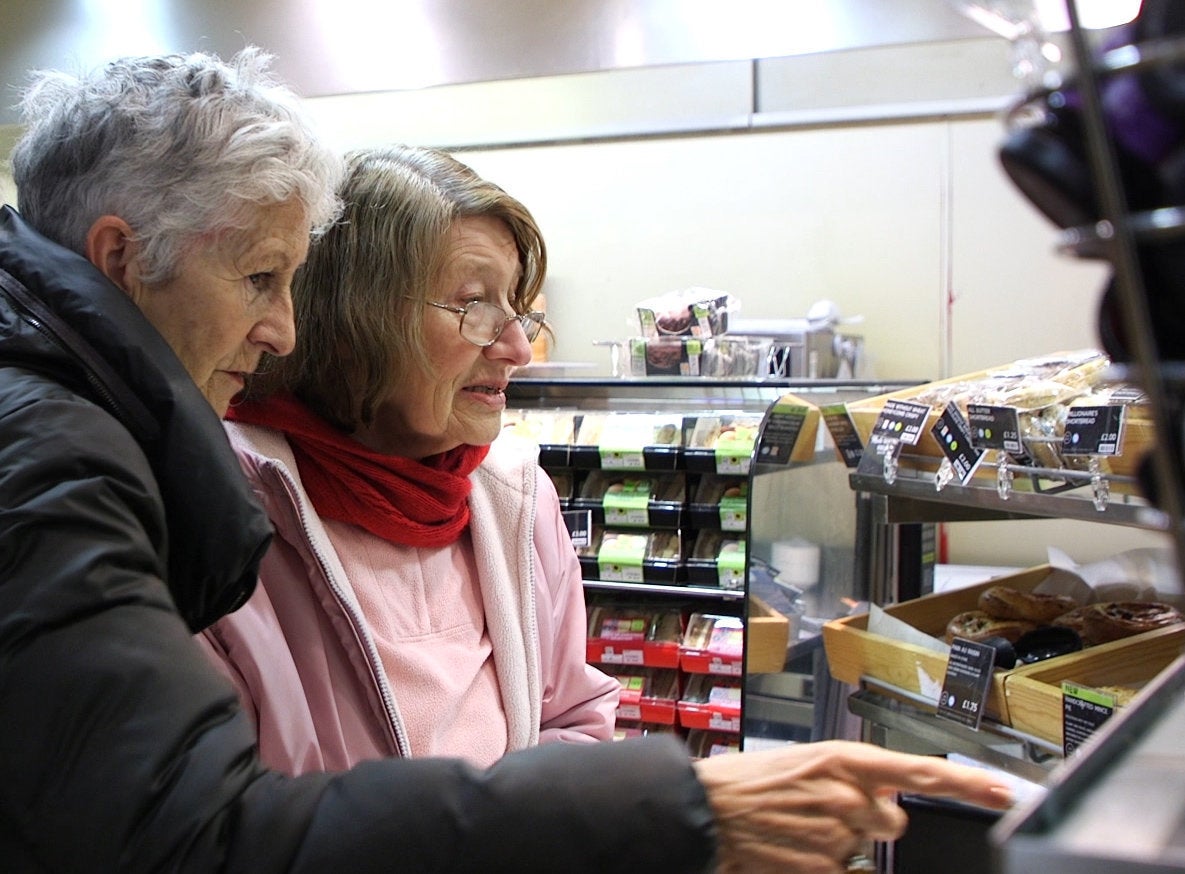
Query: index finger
point(883, 769)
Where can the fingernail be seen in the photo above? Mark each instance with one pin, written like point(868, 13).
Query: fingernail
point(1004, 793)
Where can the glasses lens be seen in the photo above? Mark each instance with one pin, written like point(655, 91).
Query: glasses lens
point(532, 324)
point(482, 323)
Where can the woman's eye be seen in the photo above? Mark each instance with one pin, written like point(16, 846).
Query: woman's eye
point(261, 282)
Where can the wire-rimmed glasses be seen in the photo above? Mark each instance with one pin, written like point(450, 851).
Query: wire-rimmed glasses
point(482, 322)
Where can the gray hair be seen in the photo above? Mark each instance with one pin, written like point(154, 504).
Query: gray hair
point(358, 298)
point(178, 146)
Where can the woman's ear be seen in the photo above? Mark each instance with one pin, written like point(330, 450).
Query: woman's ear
point(111, 246)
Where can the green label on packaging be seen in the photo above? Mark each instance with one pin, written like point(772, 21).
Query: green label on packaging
point(629, 494)
point(623, 549)
point(734, 513)
point(623, 628)
point(730, 565)
point(632, 684)
point(621, 555)
point(622, 459)
point(734, 448)
point(732, 556)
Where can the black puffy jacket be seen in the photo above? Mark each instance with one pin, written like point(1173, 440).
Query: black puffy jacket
point(125, 525)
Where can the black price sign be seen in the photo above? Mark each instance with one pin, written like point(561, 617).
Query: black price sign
point(900, 422)
point(965, 687)
point(954, 438)
point(1083, 711)
point(579, 524)
point(1093, 430)
point(995, 428)
point(780, 433)
point(843, 434)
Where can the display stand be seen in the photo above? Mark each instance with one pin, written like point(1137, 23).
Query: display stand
point(1119, 803)
point(663, 620)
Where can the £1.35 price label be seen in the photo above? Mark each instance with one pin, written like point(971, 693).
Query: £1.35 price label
point(965, 686)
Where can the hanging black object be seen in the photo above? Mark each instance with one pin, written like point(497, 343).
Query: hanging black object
point(1144, 114)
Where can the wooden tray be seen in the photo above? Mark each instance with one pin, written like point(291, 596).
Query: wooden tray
point(1034, 695)
point(769, 636)
point(853, 652)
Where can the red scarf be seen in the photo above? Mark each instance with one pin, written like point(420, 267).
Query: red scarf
point(413, 503)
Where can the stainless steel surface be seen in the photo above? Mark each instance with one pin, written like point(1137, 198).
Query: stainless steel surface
point(350, 46)
point(673, 591)
point(1118, 804)
point(998, 745)
point(915, 499)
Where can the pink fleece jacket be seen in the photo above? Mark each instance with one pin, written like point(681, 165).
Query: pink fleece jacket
point(306, 664)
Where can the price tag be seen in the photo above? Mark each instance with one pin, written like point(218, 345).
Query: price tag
point(900, 422)
point(1093, 430)
point(843, 434)
point(723, 667)
point(965, 687)
point(579, 524)
point(720, 722)
point(612, 656)
point(782, 427)
point(622, 459)
point(954, 438)
point(995, 428)
point(1083, 711)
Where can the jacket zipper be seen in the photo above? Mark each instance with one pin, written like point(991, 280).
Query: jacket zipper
point(402, 743)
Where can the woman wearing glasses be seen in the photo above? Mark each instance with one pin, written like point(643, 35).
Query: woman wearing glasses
point(422, 597)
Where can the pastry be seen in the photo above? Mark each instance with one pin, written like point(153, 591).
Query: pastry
point(1004, 602)
point(1114, 620)
point(977, 625)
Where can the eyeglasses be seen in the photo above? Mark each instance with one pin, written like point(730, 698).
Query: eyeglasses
point(482, 323)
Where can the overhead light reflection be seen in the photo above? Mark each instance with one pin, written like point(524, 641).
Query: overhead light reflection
point(382, 43)
point(114, 28)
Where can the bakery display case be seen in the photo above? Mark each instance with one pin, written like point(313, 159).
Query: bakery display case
point(1118, 803)
point(895, 688)
point(683, 497)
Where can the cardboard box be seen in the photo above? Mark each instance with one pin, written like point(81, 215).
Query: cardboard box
point(1027, 697)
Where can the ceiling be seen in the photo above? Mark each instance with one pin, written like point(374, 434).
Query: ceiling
point(325, 47)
